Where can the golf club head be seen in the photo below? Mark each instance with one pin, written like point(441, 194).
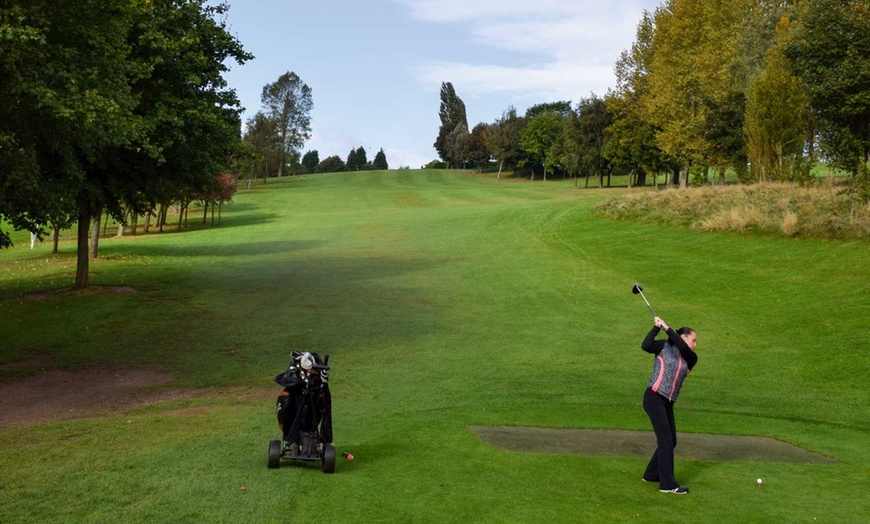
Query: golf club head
point(636, 288)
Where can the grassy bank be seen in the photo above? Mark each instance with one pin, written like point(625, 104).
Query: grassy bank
point(819, 211)
point(445, 300)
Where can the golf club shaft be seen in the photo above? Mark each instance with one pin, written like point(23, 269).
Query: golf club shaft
point(647, 303)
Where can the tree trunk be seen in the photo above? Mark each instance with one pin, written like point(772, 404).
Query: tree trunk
point(186, 210)
point(675, 177)
point(609, 175)
point(640, 181)
point(587, 181)
point(148, 222)
point(135, 222)
point(94, 248)
point(204, 212)
point(105, 224)
point(212, 214)
point(180, 215)
point(55, 234)
point(545, 173)
point(500, 164)
point(84, 230)
point(220, 208)
point(721, 176)
point(684, 182)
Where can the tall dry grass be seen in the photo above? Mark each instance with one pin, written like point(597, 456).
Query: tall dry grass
point(821, 211)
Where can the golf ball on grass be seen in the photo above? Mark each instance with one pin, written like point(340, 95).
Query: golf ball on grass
point(759, 482)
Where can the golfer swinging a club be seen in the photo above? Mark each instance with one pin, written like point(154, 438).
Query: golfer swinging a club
point(674, 358)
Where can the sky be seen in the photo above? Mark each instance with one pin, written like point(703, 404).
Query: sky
point(375, 67)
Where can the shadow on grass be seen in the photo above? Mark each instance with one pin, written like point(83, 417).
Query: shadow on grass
point(109, 251)
point(217, 323)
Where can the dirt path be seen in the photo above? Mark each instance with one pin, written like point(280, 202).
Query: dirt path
point(57, 395)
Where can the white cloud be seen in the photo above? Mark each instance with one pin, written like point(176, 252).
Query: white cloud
point(575, 44)
point(556, 81)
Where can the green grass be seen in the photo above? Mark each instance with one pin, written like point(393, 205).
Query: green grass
point(445, 300)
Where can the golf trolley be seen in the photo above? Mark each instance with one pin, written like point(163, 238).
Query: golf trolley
point(304, 410)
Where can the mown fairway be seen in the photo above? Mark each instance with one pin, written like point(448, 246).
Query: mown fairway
point(444, 300)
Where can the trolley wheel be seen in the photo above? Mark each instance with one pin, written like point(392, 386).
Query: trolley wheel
point(274, 454)
point(328, 465)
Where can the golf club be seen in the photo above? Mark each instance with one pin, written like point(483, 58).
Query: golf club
point(637, 288)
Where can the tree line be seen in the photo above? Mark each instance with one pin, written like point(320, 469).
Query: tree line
point(119, 108)
point(274, 137)
point(765, 88)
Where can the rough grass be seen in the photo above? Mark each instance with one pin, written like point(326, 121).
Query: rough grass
point(821, 211)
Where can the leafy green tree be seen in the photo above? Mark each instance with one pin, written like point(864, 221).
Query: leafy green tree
point(777, 113)
point(288, 101)
point(452, 115)
point(331, 164)
point(503, 138)
point(380, 161)
point(478, 153)
point(262, 146)
point(126, 106)
point(830, 53)
point(562, 107)
point(590, 135)
point(310, 161)
point(457, 146)
point(65, 76)
point(542, 139)
point(352, 164)
point(631, 139)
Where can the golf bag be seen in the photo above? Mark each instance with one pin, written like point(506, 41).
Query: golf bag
point(304, 406)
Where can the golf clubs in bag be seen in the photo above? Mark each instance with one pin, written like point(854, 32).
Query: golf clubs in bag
point(304, 410)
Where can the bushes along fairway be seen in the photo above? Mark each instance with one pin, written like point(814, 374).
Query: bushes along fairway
point(445, 300)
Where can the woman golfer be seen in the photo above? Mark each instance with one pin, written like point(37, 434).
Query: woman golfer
point(674, 358)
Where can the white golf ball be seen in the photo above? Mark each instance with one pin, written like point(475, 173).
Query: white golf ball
point(759, 481)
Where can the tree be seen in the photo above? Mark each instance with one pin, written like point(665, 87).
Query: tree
point(541, 140)
point(777, 112)
point(503, 138)
point(288, 101)
point(691, 82)
point(310, 161)
point(356, 159)
point(631, 139)
point(589, 137)
point(332, 164)
point(65, 74)
point(562, 107)
point(452, 115)
point(456, 146)
point(262, 147)
point(830, 53)
point(126, 106)
point(380, 161)
point(478, 153)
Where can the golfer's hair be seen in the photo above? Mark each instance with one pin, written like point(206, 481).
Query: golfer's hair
point(685, 331)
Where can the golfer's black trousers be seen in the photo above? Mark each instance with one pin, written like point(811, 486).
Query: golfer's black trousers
point(661, 413)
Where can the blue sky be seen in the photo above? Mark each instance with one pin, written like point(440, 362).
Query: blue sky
point(375, 67)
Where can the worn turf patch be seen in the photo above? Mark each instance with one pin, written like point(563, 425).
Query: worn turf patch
point(623, 443)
